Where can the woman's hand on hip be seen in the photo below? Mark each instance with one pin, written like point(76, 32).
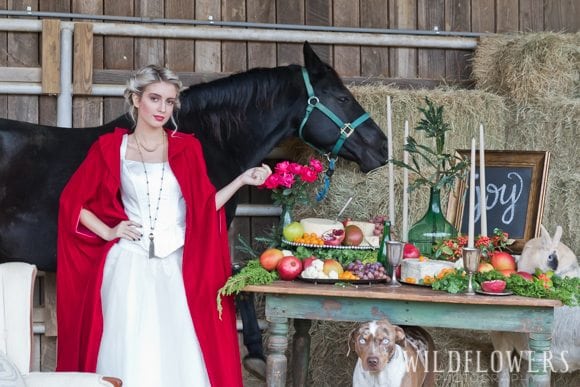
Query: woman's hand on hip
point(126, 229)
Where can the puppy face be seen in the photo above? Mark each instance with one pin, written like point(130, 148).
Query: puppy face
point(375, 343)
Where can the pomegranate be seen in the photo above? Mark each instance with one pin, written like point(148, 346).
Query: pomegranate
point(494, 286)
point(333, 237)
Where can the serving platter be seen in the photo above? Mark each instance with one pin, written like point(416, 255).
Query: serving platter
point(360, 247)
point(504, 293)
point(329, 281)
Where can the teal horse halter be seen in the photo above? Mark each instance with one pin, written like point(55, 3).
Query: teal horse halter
point(346, 129)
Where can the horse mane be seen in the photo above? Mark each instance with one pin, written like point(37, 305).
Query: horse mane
point(220, 106)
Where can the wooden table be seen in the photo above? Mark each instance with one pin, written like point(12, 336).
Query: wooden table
point(406, 305)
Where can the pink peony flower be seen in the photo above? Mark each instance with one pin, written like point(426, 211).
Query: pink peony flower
point(289, 182)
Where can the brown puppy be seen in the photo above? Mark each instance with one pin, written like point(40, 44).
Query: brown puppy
point(390, 356)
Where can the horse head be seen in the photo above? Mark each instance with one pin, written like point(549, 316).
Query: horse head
point(337, 123)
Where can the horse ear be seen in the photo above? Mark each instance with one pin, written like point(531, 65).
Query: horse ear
point(312, 62)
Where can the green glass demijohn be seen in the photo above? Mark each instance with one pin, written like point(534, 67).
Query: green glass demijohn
point(432, 228)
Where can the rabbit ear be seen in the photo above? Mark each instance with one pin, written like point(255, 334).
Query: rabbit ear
point(545, 236)
point(557, 236)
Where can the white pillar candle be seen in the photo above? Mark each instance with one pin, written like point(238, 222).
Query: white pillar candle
point(470, 237)
point(482, 186)
point(406, 187)
point(391, 167)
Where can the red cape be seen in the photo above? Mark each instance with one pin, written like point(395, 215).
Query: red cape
point(81, 257)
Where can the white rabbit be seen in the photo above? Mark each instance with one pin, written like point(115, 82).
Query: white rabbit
point(548, 253)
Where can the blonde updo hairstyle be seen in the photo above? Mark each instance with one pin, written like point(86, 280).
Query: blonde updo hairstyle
point(144, 77)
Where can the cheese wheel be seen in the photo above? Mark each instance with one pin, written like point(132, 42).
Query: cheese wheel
point(366, 227)
point(371, 240)
point(319, 226)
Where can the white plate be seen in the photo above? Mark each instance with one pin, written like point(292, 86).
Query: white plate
point(504, 293)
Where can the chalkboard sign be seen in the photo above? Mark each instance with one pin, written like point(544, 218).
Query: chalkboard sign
point(515, 193)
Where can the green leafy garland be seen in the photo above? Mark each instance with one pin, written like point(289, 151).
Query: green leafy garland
point(543, 285)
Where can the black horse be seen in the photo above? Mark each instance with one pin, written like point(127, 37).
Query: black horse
point(238, 119)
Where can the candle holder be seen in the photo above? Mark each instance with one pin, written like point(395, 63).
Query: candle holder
point(395, 256)
point(471, 257)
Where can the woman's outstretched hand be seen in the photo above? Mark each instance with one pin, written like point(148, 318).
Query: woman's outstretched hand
point(256, 175)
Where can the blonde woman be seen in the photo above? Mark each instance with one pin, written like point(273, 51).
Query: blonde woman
point(142, 251)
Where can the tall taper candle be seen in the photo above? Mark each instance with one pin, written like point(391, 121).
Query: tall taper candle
point(471, 229)
point(391, 166)
point(482, 186)
point(406, 187)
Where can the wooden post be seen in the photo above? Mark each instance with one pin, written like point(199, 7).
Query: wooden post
point(50, 56)
point(83, 59)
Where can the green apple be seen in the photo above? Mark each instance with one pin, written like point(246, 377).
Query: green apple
point(293, 231)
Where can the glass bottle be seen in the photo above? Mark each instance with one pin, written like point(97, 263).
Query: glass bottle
point(432, 228)
point(382, 254)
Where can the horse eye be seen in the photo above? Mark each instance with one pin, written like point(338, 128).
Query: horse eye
point(362, 341)
point(551, 257)
point(343, 99)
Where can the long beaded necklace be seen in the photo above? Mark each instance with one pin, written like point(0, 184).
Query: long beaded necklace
point(152, 222)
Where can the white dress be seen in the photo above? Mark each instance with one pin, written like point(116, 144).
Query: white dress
point(148, 335)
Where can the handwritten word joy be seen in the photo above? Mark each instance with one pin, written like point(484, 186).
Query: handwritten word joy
point(504, 196)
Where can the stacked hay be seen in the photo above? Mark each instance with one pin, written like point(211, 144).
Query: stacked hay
point(529, 68)
point(527, 97)
point(539, 76)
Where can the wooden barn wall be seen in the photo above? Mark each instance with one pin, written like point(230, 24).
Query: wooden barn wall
point(113, 57)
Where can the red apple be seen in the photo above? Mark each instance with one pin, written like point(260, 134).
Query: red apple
point(484, 267)
point(503, 261)
point(270, 258)
point(411, 251)
point(525, 275)
point(289, 268)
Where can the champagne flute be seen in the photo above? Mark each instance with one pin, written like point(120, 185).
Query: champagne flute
point(470, 263)
point(395, 255)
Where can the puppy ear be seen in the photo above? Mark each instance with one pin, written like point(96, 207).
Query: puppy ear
point(399, 335)
point(352, 338)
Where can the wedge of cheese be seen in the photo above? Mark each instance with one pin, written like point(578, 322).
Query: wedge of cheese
point(319, 225)
point(366, 227)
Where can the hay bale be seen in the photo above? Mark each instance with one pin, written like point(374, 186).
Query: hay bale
point(529, 68)
point(554, 126)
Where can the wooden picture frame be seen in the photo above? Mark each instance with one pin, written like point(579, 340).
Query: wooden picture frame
point(516, 184)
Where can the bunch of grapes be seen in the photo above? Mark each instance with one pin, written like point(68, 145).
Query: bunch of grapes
point(367, 271)
point(379, 222)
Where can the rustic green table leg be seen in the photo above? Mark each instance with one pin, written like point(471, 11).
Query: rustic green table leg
point(301, 352)
point(540, 344)
point(276, 364)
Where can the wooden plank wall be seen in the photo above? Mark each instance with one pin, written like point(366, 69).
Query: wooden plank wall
point(188, 56)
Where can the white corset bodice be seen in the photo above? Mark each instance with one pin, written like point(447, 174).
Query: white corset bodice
point(169, 228)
